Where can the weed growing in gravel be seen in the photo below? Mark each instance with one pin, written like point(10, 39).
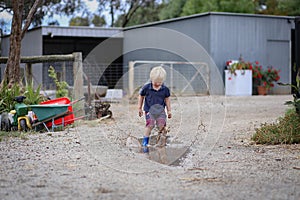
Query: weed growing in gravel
point(14, 134)
point(285, 131)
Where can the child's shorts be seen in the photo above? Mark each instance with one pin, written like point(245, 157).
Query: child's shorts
point(159, 120)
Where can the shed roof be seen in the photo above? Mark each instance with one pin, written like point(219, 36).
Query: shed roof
point(206, 14)
point(85, 31)
point(79, 31)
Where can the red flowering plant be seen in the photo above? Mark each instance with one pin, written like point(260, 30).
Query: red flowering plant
point(257, 72)
point(260, 76)
point(265, 77)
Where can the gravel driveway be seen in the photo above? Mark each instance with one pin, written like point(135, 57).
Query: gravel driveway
point(91, 160)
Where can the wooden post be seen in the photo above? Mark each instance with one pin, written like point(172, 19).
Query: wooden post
point(296, 64)
point(63, 76)
point(28, 73)
point(131, 78)
point(78, 92)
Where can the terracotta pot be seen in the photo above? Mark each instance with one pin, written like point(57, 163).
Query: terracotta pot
point(262, 90)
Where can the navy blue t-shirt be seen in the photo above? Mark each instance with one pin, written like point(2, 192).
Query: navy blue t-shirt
point(153, 97)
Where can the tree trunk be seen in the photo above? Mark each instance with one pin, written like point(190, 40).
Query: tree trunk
point(12, 71)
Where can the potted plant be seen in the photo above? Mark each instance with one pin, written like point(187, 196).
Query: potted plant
point(238, 78)
point(264, 79)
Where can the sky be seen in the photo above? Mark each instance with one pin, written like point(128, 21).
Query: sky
point(63, 20)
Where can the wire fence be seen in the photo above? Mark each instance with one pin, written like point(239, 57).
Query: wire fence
point(183, 78)
point(96, 74)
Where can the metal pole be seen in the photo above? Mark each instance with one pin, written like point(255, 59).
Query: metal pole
point(131, 78)
point(171, 74)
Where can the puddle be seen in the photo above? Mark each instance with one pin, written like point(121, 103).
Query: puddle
point(171, 154)
point(168, 155)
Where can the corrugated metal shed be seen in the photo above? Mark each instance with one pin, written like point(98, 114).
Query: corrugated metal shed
point(212, 38)
point(223, 36)
point(49, 40)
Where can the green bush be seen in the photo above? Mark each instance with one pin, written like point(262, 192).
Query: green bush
point(285, 131)
point(33, 95)
point(7, 96)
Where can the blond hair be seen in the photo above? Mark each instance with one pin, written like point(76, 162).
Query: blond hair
point(158, 74)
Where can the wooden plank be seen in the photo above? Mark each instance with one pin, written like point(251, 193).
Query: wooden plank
point(42, 59)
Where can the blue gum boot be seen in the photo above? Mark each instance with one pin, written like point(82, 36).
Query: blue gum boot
point(145, 144)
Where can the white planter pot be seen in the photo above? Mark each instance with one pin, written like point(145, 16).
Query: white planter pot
point(239, 84)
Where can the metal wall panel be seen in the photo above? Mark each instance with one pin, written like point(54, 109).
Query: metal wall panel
point(255, 38)
point(224, 36)
point(184, 40)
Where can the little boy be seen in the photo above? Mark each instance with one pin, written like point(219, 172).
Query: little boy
point(155, 97)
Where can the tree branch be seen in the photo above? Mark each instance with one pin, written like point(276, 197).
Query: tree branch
point(133, 7)
point(30, 16)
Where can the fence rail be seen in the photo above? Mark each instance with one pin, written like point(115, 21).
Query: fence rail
point(42, 59)
point(75, 57)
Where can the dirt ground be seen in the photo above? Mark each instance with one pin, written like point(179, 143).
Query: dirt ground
point(92, 161)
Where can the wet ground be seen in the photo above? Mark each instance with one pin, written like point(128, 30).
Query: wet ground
point(170, 154)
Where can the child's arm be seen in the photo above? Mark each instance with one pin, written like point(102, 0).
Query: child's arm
point(140, 104)
point(168, 105)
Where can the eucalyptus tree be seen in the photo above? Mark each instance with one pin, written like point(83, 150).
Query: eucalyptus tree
point(146, 13)
point(89, 20)
point(176, 8)
point(279, 7)
point(171, 9)
point(200, 6)
point(122, 11)
point(24, 14)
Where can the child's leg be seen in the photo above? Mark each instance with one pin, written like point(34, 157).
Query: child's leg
point(146, 136)
point(162, 137)
point(162, 130)
point(150, 122)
